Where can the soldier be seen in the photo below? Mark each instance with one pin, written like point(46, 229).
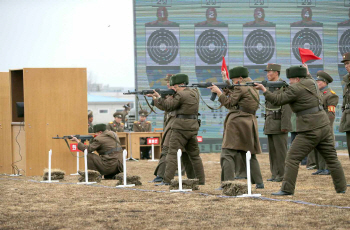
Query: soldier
point(312, 126)
point(345, 119)
point(184, 129)
point(109, 162)
point(240, 127)
point(330, 101)
point(169, 118)
point(143, 126)
point(277, 125)
point(125, 112)
point(90, 120)
point(116, 125)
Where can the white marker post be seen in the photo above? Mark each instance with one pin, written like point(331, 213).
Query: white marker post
point(179, 153)
point(86, 170)
point(124, 169)
point(153, 154)
point(248, 157)
point(49, 174)
point(76, 174)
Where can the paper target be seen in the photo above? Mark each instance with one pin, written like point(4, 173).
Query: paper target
point(307, 38)
point(162, 46)
point(211, 45)
point(343, 41)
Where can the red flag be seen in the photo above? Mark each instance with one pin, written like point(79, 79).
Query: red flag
point(224, 67)
point(307, 55)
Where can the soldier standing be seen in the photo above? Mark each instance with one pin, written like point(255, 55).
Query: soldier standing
point(143, 126)
point(116, 125)
point(184, 129)
point(330, 101)
point(312, 127)
point(240, 127)
point(277, 125)
point(90, 120)
point(109, 162)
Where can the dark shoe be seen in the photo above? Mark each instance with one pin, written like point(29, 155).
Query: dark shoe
point(282, 193)
point(317, 172)
point(311, 167)
point(157, 180)
point(341, 192)
point(278, 180)
point(259, 186)
point(271, 179)
point(109, 177)
point(162, 183)
point(240, 178)
point(325, 172)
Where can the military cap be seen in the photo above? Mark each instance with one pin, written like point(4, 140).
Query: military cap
point(179, 79)
point(90, 114)
point(297, 71)
point(273, 67)
point(287, 72)
point(238, 71)
point(323, 76)
point(167, 77)
point(346, 57)
point(100, 127)
point(118, 114)
point(143, 113)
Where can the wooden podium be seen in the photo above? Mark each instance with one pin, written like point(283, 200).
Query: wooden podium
point(55, 103)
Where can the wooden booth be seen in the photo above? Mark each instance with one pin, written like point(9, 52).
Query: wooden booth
point(134, 144)
point(55, 103)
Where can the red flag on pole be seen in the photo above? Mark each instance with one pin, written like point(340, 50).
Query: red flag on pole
point(307, 55)
point(224, 67)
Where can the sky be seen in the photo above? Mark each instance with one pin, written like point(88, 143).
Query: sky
point(96, 34)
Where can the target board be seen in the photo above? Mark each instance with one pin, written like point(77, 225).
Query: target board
point(211, 45)
point(162, 46)
point(307, 38)
point(343, 41)
point(259, 45)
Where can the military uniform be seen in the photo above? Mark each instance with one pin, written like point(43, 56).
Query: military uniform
point(90, 125)
point(277, 125)
point(345, 119)
point(312, 127)
point(330, 101)
point(184, 128)
point(109, 162)
point(240, 128)
point(114, 126)
point(144, 126)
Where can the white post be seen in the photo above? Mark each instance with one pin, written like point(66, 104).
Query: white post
point(153, 154)
point(179, 153)
point(49, 173)
point(124, 169)
point(248, 158)
point(86, 170)
point(75, 174)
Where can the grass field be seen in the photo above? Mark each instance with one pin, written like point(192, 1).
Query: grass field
point(27, 204)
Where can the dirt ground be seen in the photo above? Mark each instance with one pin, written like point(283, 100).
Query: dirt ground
point(27, 204)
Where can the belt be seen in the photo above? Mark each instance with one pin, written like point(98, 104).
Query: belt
point(186, 116)
point(272, 112)
point(247, 110)
point(111, 151)
point(309, 111)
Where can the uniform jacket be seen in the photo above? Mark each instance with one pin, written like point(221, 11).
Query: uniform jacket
point(299, 100)
point(345, 119)
point(330, 102)
point(142, 126)
point(169, 118)
point(90, 127)
point(241, 128)
point(116, 127)
point(102, 143)
point(280, 119)
point(184, 102)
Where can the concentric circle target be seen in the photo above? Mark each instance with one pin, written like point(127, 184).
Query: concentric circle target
point(344, 42)
point(162, 46)
point(307, 39)
point(211, 46)
point(259, 46)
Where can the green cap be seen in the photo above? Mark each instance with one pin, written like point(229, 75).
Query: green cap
point(287, 73)
point(273, 67)
point(90, 114)
point(143, 113)
point(118, 114)
point(179, 79)
point(238, 71)
point(346, 56)
point(323, 76)
point(100, 127)
point(297, 71)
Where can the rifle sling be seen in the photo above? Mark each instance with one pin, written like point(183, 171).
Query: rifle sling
point(152, 110)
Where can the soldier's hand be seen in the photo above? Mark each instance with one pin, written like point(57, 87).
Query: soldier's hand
point(75, 139)
point(215, 89)
point(260, 87)
point(149, 95)
point(224, 75)
point(155, 94)
point(307, 68)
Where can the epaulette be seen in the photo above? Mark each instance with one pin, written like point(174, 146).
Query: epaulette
point(135, 122)
point(121, 123)
point(148, 122)
point(111, 122)
point(333, 92)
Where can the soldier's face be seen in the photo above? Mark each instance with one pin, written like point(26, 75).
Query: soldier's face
point(117, 119)
point(272, 75)
point(91, 119)
point(142, 118)
point(237, 80)
point(294, 80)
point(347, 66)
point(321, 84)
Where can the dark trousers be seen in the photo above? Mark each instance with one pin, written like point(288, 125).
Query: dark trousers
point(348, 142)
point(277, 154)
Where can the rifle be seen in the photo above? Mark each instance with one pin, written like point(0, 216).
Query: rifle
point(82, 138)
point(162, 92)
point(208, 84)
